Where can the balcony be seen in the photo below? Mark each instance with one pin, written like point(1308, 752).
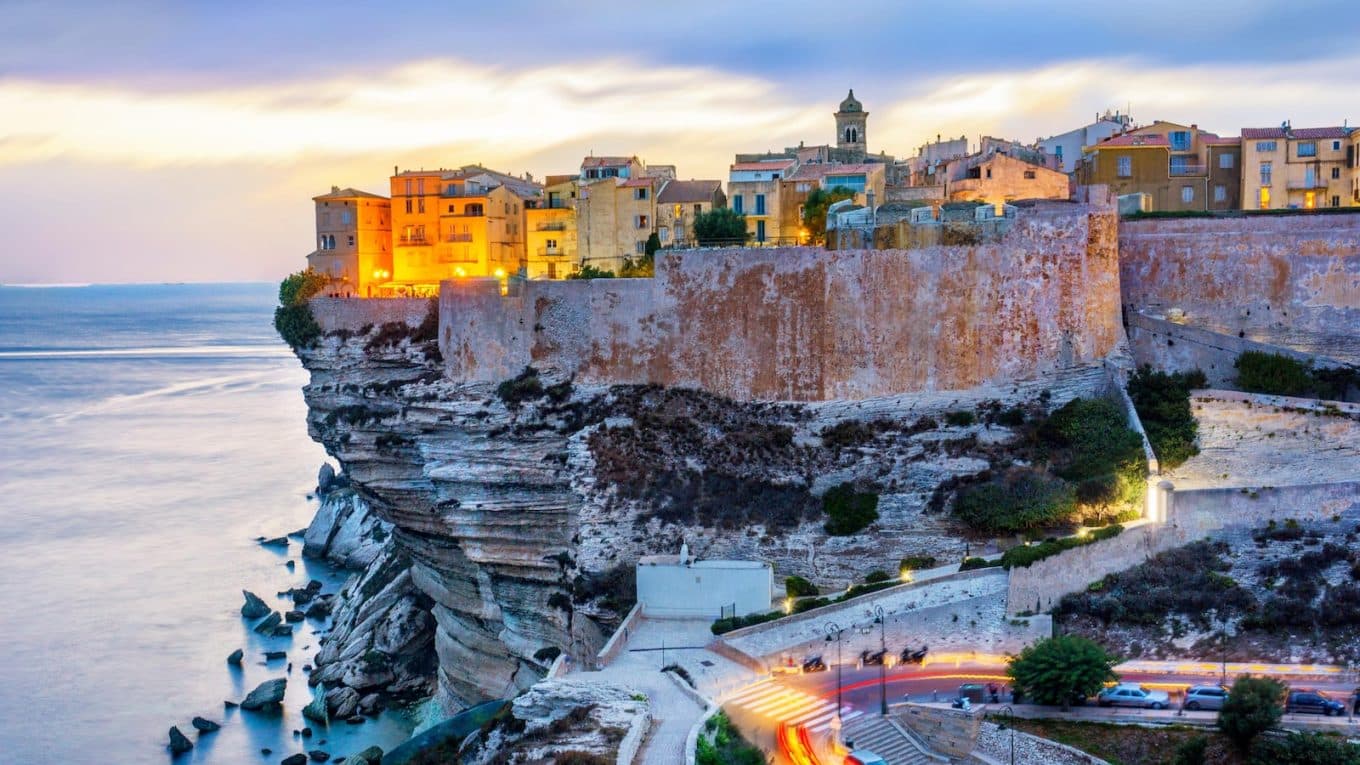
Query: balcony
point(550, 252)
point(1307, 184)
point(413, 240)
point(462, 191)
point(458, 237)
point(1181, 171)
point(552, 226)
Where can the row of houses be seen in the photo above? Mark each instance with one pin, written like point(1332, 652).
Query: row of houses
point(608, 215)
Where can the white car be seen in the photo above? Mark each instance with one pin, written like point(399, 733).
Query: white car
point(1133, 695)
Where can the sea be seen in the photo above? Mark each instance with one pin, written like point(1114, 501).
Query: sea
point(148, 435)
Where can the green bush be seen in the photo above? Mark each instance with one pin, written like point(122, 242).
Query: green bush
point(1163, 404)
point(522, 387)
point(1272, 373)
point(798, 587)
point(969, 564)
point(1192, 751)
point(848, 511)
point(1252, 707)
point(1304, 749)
point(917, 562)
point(1022, 500)
point(1060, 670)
point(1025, 555)
point(960, 418)
point(293, 318)
point(591, 272)
point(720, 743)
point(874, 577)
point(737, 622)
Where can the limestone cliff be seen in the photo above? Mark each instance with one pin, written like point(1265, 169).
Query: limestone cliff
point(518, 510)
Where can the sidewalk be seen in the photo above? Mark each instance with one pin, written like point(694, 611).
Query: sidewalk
point(1121, 716)
point(1234, 669)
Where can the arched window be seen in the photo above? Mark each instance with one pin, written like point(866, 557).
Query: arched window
point(330, 242)
point(321, 242)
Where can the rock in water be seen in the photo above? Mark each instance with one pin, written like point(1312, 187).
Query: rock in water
point(372, 756)
point(275, 542)
point(316, 710)
point(283, 631)
point(293, 616)
point(205, 725)
point(266, 695)
point(370, 704)
point(254, 607)
point(342, 702)
point(236, 656)
point(270, 622)
point(324, 478)
point(272, 655)
point(179, 743)
point(321, 607)
point(319, 755)
point(294, 759)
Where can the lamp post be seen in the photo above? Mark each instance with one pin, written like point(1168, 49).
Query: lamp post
point(882, 660)
point(1009, 714)
point(835, 629)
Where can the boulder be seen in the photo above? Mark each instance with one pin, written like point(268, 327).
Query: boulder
point(293, 616)
point(324, 478)
point(282, 630)
point(316, 710)
point(236, 656)
point(370, 704)
point(275, 542)
point(306, 732)
point(321, 607)
point(205, 725)
point(254, 608)
point(371, 756)
point(230, 705)
point(270, 622)
point(301, 595)
point(272, 655)
point(266, 695)
point(179, 743)
point(290, 565)
point(294, 759)
point(318, 755)
point(342, 702)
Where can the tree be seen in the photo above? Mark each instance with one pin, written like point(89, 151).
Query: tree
point(653, 244)
point(720, 226)
point(293, 318)
point(1061, 669)
point(644, 267)
point(814, 210)
point(1253, 706)
point(592, 272)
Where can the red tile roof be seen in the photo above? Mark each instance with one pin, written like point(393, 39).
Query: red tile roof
point(348, 193)
point(1234, 140)
point(606, 161)
point(688, 191)
point(816, 170)
point(1297, 133)
point(773, 164)
point(646, 181)
point(1130, 140)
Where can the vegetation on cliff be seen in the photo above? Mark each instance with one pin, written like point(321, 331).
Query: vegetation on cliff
point(1163, 404)
point(720, 743)
point(1280, 375)
point(293, 317)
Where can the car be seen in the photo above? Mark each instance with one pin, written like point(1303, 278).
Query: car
point(871, 658)
point(1315, 702)
point(814, 664)
point(1133, 695)
point(864, 757)
point(1205, 697)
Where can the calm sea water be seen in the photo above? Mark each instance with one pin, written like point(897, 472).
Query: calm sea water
point(147, 435)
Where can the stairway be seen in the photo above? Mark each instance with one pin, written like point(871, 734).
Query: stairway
point(887, 740)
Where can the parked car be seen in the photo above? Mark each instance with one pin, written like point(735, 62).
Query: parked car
point(1315, 702)
point(1133, 695)
point(1205, 697)
point(814, 664)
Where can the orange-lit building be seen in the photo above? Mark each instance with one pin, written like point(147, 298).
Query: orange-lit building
point(353, 241)
point(551, 250)
point(1303, 168)
point(453, 223)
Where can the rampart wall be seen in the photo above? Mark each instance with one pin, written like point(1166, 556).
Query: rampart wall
point(1287, 280)
point(334, 314)
point(807, 324)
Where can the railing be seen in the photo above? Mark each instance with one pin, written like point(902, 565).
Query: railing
point(1186, 169)
point(477, 214)
point(1308, 184)
point(458, 237)
point(418, 239)
point(544, 252)
point(460, 191)
point(553, 226)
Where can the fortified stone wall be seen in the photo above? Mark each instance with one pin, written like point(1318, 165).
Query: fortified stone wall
point(335, 314)
point(807, 324)
point(1287, 280)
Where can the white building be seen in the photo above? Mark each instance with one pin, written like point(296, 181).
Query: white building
point(1067, 146)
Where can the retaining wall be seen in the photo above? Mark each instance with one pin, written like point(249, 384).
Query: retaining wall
point(353, 313)
point(807, 324)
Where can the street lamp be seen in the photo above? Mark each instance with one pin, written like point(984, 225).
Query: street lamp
point(835, 629)
point(1009, 714)
point(882, 660)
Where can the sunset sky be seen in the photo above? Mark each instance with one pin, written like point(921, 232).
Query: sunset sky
point(162, 141)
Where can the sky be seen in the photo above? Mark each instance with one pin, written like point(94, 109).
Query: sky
point(150, 141)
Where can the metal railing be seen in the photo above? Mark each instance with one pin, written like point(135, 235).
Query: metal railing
point(1186, 169)
point(545, 252)
point(1308, 184)
point(455, 237)
point(461, 191)
point(553, 226)
point(414, 239)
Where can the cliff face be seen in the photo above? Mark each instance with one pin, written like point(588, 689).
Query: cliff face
point(518, 514)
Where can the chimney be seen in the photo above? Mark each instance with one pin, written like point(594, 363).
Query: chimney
point(394, 170)
point(335, 189)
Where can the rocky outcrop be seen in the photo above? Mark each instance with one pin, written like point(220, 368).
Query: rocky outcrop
point(344, 532)
point(516, 515)
point(559, 716)
point(179, 743)
point(267, 695)
point(254, 607)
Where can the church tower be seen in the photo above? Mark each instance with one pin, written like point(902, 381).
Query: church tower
point(850, 128)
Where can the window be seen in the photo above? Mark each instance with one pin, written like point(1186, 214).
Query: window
point(989, 172)
point(641, 221)
point(1225, 161)
point(507, 208)
point(1336, 201)
point(450, 209)
point(346, 217)
point(408, 187)
point(1125, 167)
point(474, 209)
point(1180, 140)
point(1220, 193)
point(664, 234)
point(1336, 172)
point(803, 187)
point(351, 237)
point(1265, 146)
point(640, 247)
point(551, 244)
point(420, 204)
point(737, 204)
point(1336, 146)
point(321, 241)
point(1309, 200)
point(408, 205)
point(1187, 193)
point(1180, 165)
point(698, 209)
point(1307, 148)
point(639, 193)
point(1264, 204)
point(1029, 175)
point(760, 231)
point(760, 204)
point(1266, 168)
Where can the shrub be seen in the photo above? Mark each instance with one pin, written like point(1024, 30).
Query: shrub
point(522, 387)
point(960, 418)
point(1022, 500)
point(798, 587)
point(1192, 751)
point(1061, 670)
point(737, 622)
point(574, 757)
point(591, 272)
point(847, 433)
point(1252, 707)
point(1011, 418)
point(1163, 404)
point(616, 587)
point(848, 511)
point(293, 318)
point(874, 577)
point(720, 226)
point(1272, 373)
point(721, 743)
point(969, 564)
point(916, 563)
point(1304, 749)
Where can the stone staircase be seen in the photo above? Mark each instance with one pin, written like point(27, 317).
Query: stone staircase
point(889, 740)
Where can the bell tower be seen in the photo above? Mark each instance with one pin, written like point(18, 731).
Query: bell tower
point(851, 121)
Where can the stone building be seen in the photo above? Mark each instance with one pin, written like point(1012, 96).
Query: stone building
point(1167, 162)
point(999, 178)
point(754, 189)
point(551, 250)
point(851, 125)
point(679, 203)
point(1303, 168)
point(353, 241)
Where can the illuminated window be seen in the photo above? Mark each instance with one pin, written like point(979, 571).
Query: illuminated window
point(1265, 198)
point(1125, 167)
point(1309, 200)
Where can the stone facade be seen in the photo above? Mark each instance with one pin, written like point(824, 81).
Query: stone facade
point(806, 324)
